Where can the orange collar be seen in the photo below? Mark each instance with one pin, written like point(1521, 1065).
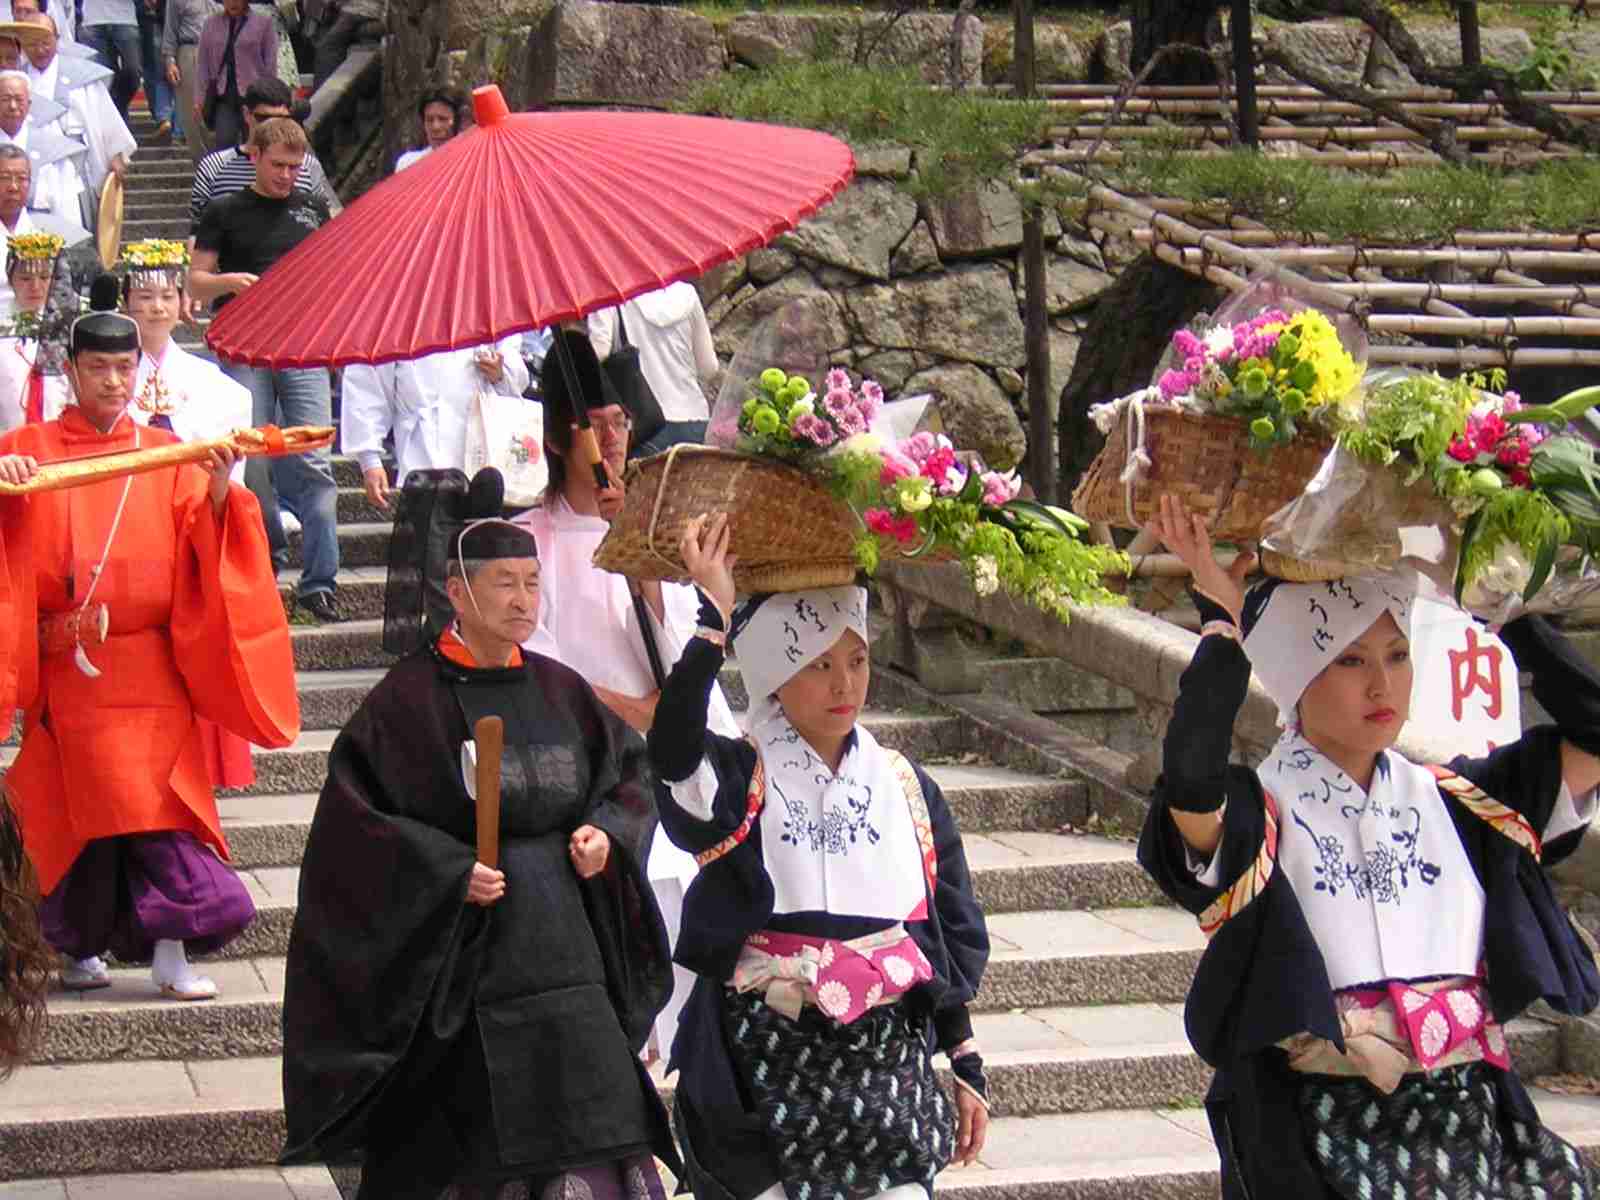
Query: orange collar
point(457, 651)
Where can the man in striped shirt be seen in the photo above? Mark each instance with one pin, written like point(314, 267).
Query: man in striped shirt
point(231, 169)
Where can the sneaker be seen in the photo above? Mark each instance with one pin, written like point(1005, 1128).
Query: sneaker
point(164, 131)
point(320, 605)
point(291, 523)
point(85, 975)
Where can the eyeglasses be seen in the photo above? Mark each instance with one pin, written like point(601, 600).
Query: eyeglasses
point(616, 426)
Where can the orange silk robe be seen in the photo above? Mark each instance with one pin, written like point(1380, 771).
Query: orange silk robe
point(196, 628)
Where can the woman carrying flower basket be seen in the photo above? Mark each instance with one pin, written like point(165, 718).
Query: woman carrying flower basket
point(1372, 923)
point(31, 389)
point(832, 925)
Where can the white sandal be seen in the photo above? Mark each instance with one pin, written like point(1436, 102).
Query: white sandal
point(194, 987)
point(85, 975)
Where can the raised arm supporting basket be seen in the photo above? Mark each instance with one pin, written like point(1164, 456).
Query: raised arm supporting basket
point(788, 531)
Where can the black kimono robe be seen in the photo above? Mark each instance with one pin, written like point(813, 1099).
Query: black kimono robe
point(1262, 977)
point(732, 897)
point(460, 1040)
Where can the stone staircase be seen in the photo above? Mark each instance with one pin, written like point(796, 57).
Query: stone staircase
point(1096, 1093)
point(156, 203)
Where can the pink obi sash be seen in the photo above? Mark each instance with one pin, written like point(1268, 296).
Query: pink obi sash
point(1403, 1029)
point(843, 979)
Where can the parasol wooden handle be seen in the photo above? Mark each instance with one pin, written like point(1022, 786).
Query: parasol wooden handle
point(94, 468)
point(490, 735)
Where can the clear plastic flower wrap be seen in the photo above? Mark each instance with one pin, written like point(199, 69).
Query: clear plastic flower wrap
point(794, 340)
point(1487, 500)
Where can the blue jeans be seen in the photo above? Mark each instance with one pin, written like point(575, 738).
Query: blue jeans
point(669, 435)
point(157, 91)
point(295, 396)
point(116, 48)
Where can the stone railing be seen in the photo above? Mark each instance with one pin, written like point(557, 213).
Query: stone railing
point(1133, 650)
point(346, 122)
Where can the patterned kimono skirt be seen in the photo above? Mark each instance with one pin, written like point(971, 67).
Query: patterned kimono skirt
point(1437, 1134)
point(849, 1110)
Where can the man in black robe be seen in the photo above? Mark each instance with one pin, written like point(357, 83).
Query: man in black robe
point(456, 1023)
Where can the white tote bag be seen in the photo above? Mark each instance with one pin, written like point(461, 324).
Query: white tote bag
point(507, 433)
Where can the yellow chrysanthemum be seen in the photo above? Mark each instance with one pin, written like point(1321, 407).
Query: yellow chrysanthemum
point(35, 245)
point(155, 254)
point(1337, 372)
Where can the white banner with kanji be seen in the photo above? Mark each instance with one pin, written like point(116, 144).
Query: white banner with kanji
point(1464, 695)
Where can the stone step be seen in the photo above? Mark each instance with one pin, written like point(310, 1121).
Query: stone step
point(171, 228)
point(346, 470)
point(199, 1115)
point(245, 1183)
point(165, 205)
point(348, 645)
point(161, 152)
point(158, 178)
point(270, 831)
point(361, 544)
point(1047, 1058)
point(356, 509)
point(302, 766)
point(359, 595)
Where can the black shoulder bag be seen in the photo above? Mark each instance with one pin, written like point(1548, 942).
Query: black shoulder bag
point(622, 369)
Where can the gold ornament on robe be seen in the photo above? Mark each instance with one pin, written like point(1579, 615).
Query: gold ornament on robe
point(76, 472)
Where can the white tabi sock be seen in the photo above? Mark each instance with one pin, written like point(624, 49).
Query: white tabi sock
point(175, 977)
point(170, 964)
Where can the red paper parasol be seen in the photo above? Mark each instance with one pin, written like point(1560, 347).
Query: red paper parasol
point(527, 220)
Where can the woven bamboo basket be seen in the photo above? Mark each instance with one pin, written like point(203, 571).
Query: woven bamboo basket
point(1202, 459)
point(788, 532)
point(1301, 570)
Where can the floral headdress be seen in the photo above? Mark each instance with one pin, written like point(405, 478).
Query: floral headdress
point(33, 253)
point(154, 262)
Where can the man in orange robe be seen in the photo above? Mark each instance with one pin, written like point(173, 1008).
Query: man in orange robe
point(110, 785)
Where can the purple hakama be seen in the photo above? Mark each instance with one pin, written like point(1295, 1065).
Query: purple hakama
point(124, 894)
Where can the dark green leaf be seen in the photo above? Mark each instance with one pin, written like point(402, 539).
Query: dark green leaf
point(1032, 512)
point(1468, 532)
point(1542, 566)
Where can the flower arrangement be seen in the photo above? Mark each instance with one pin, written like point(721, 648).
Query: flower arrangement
point(919, 497)
point(154, 254)
point(1275, 371)
point(1517, 484)
point(784, 419)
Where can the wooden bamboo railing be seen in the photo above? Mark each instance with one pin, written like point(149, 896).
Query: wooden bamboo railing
point(1313, 134)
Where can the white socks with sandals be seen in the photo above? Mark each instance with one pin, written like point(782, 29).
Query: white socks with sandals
point(175, 977)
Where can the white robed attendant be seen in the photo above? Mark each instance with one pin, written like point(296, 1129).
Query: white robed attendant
point(199, 402)
point(91, 117)
point(57, 162)
point(425, 402)
point(17, 357)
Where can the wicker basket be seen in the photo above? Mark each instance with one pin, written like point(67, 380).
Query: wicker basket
point(1301, 570)
point(788, 532)
point(1205, 461)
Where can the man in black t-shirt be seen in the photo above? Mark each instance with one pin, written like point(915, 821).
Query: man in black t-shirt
point(239, 238)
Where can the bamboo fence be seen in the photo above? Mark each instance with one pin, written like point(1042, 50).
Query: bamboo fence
point(1475, 298)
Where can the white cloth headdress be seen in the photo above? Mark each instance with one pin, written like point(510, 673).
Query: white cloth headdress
point(789, 631)
point(1305, 626)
